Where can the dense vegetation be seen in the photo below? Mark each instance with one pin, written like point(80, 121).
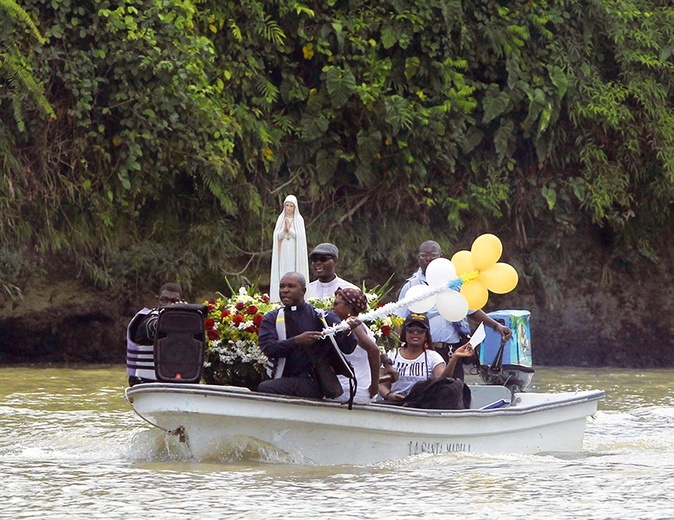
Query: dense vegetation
point(144, 140)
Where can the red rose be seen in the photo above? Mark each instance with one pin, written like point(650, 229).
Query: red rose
point(240, 306)
point(237, 318)
point(211, 306)
point(252, 328)
point(213, 334)
point(257, 319)
point(265, 298)
point(209, 323)
point(386, 330)
point(225, 313)
point(251, 309)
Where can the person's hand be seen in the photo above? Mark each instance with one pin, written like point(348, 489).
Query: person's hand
point(504, 331)
point(395, 396)
point(353, 322)
point(374, 388)
point(388, 370)
point(307, 338)
point(464, 351)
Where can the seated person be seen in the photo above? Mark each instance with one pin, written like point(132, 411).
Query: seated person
point(291, 337)
point(365, 358)
point(415, 361)
point(140, 335)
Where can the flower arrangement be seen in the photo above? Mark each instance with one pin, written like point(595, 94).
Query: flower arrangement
point(233, 356)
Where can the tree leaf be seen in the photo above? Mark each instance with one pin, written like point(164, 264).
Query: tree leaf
point(494, 104)
point(503, 138)
point(559, 80)
point(340, 83)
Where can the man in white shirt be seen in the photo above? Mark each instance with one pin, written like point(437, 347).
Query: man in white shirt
point(323, 259)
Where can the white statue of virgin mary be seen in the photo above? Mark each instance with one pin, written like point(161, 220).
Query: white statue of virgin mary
point(289, 249)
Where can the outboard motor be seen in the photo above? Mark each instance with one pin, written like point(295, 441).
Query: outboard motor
point(507, 363)
point(180, 342)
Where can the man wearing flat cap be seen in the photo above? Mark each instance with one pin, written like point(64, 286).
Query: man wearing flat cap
point(323, 259)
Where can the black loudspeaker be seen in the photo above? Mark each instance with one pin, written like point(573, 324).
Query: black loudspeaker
point(179, 343)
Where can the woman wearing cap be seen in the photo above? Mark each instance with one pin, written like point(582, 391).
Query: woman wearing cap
point(365, 358)
point(289, 248)
point(416, 361)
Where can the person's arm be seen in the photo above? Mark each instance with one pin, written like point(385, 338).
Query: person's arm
point(385, 390)
point(388, 370)
point(481, 316)
point(439, 369)
point(463, 351)
point(147, 328)
point(367, 343)
point(270, 345)
point(388, 395)
point(346, 340)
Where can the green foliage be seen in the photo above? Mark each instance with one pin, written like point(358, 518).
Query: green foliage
point(15, 68)
point(142, 146)
point(182, 125)
point(16, 268)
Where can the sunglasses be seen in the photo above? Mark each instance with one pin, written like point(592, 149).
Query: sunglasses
point(321, 258)
point(416, 330)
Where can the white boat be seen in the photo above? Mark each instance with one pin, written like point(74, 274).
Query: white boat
point(327, 433)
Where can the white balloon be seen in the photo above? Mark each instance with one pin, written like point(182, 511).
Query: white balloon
point(423, 305)
point(439, 272)
point(452, 305)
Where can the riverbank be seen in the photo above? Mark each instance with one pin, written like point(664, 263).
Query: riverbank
point(587, 311)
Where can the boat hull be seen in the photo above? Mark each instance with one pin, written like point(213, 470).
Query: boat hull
point(327, 433)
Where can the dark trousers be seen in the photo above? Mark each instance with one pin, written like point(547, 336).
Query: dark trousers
point(303, 386)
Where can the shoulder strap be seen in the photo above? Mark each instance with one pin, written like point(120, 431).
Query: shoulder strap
point(275, 368)
point(281, 332)
point(345, 367)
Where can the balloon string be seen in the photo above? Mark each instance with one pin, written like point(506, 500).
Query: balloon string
point(390, 308)
point(470, 277)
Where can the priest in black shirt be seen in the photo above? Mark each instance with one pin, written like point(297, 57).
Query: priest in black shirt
point(292, 340)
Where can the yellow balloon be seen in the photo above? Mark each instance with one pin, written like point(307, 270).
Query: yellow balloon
point(476, 294)
point(500, 278)
point(486, 250)
point(463, 262)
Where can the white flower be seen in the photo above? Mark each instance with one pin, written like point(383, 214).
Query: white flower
point(387, 321)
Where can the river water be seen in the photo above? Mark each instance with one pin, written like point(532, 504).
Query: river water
point(70, 448)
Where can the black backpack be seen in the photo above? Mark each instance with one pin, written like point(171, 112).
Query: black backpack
point(443, 393)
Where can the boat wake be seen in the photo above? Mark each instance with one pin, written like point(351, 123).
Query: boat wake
point(645, 428)
point(156, 446)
